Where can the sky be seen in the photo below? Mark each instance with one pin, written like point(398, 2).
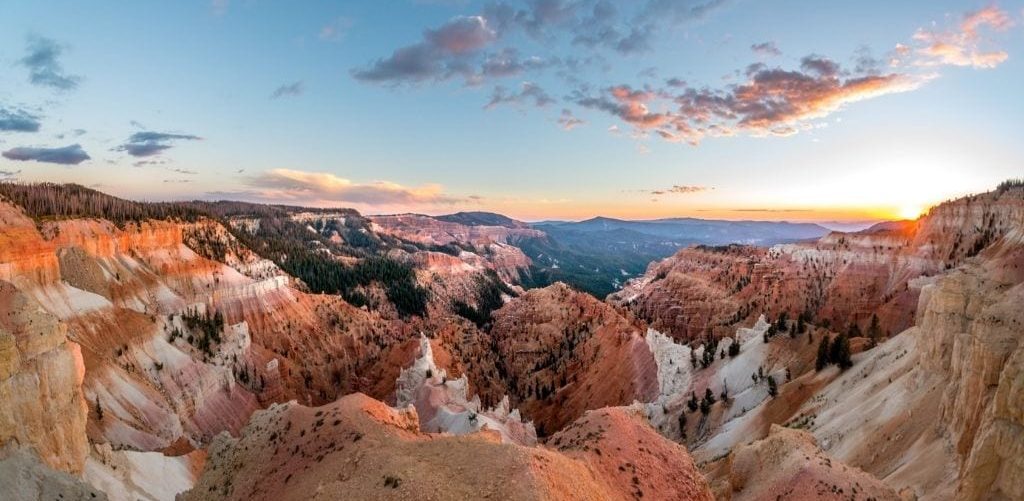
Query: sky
point(538, 109)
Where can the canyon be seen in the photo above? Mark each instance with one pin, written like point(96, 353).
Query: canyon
point(230, 351)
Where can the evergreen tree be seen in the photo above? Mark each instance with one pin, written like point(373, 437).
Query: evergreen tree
point(874, 330)
point(823, 353)
point(710, 397)
point(692, 403)
point(839, 353)
point(682, 425)
point(773, 388)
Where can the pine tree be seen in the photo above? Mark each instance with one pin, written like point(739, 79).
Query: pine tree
point(873, 331)
point(839, 353)
point(773, 388)
point(682, 425)
point(692, 403)
point(99, 410)
point(823, 353)
point(710, 397)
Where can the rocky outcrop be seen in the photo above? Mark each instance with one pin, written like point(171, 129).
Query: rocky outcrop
point(563, 352)
point(443, 404)
point(24, 477)
point(787, 464)
point(41, 372)
point(839, 280)
point(359, 448)
point(970, 332)
point(432, 231)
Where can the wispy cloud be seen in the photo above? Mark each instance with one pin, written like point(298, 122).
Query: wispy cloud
point(772, 101)
point(324, 188)
point(17, 120)
point(42, 59)
point(148, 143)
point(962, 45)
point(766, 48)
point(568, 120)
point(529, 93)
point(439, 55)
point(289, 90)
point(680, 189)
point(459, 48)
point(67, 155)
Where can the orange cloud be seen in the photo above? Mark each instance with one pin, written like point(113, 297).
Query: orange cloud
point(324, 188)
point(962, 46)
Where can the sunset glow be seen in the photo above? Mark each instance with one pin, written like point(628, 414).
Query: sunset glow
point(436, 107)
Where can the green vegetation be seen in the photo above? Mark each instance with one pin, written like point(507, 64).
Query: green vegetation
point(205, 329)
point(822, 360)
point(773, 387)
point(64, 201)
point(488, 298)
point(1010, 184)
point(310, 256)
point(836, 351)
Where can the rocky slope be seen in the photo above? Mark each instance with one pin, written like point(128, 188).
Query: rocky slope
point(840, 280)
point(932, 412)
point(137, 357)
point(563, 352)
point(360, 448)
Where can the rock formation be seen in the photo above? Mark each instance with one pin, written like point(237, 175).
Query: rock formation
point(359, 448)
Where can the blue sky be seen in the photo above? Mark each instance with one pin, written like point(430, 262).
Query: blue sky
point(854, 111)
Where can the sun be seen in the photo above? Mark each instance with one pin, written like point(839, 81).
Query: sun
point(910, 211)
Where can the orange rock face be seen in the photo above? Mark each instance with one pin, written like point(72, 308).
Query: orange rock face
point(358, 448)
point(842, 279)
point(564, 352)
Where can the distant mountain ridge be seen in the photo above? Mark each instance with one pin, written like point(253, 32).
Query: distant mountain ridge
point(702, 231)
point(479, 218)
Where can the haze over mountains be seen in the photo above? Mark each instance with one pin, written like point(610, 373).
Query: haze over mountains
point(599, 254)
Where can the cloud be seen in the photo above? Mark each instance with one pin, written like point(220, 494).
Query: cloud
point(147, 143)
point(507, 62)
point(292, 89)
point(145, 163)
point(628, 104)
point(7, 175)
point(336, 29)
point(44, 67)
point(772, 101)
point(680, 189)
point(529, 93)
point(14, 120)
point(324, 188)
point(439, 56)
point(568, 121)
point(457, 48)
point(67, 155)
point(962, 46)
point(766, 49)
